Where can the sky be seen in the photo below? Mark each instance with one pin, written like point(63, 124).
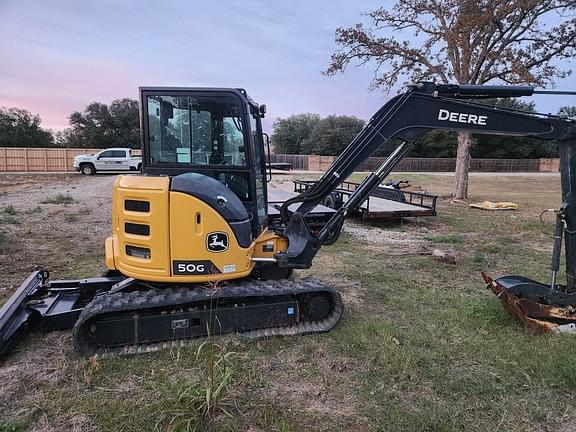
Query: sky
point(57, 56)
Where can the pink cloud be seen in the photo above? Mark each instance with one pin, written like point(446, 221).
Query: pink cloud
point(54, 89)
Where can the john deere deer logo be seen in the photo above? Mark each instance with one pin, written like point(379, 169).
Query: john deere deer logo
point(217, 241)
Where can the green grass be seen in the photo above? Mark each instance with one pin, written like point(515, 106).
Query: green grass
point(195, 405)
point(445, 238)
point(10, 210)
point(446, 356)
point(9, 219)
point(59, 199)
point(71, 217)
point(9, 215)
point(423, 346)
point(10, 426)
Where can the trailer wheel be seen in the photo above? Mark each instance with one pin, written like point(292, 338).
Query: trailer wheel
point(88, 169)
point(333, 201)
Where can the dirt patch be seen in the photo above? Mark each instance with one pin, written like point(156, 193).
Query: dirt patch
point(20, 182)
point(567, 426)
point(66, 239)
point(353, 292)
point(77, 423)
point(324, 389)
point(42, 362)
point(53, 236)
point(398, 241)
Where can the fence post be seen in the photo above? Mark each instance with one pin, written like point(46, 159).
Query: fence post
point(25, 159)
point(5, 161)
point(45, 160)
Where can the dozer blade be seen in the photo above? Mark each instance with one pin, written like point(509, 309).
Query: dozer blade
point(14, 316)
point(53, 305)
point(526, 301)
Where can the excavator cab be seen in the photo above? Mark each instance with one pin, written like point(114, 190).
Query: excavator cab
point(199, 211)
point(213, 132)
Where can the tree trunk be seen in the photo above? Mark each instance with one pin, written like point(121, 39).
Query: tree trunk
point(462, 166)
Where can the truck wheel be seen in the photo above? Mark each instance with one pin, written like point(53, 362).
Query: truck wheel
point(139, 167)
point(87, 169)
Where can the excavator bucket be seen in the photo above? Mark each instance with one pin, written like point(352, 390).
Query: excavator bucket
point(515, 306)
point(533, 311)
point(539, 306)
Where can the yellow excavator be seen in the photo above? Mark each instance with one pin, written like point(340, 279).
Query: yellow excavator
point(196, 248)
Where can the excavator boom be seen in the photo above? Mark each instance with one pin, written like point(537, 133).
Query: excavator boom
point(405, 118)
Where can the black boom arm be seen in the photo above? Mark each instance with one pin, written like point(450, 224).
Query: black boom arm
point(405, 118)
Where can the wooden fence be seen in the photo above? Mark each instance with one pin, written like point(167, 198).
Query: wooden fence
point(16, 159)
point(449, 165)
point(321, 163)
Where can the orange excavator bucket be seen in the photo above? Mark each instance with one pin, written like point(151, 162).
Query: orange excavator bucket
point(532, 311)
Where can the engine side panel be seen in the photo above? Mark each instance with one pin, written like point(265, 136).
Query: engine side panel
point(203, 245)
point(164, 236)
point(140, 231)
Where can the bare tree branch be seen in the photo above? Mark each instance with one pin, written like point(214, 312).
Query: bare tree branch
point(463, 40)
point(469, 41)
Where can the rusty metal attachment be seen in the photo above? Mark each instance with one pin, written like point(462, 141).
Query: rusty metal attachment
point(533, 315)
point(542, 307)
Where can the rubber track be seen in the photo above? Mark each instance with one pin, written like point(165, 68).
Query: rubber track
point(173, 297)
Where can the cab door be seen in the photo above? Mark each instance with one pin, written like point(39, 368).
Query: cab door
point(259, 167)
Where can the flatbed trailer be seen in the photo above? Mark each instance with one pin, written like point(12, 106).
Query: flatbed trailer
point(383, 203)
point(317, 217)
point(283, 166)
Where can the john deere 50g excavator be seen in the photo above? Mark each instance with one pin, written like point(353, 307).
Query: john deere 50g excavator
point(195, 248)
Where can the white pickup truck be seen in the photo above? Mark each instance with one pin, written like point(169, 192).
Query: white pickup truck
point(111, 159)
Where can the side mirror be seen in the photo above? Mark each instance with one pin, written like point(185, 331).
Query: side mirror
point(262, 110)
point(98, 157)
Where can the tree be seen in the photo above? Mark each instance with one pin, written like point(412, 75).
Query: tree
point(331, 135)
point(568, 112)
point(21, 128)
point(435, 143)
point(499, 146)
point(126, 121)
point(102, 126)
point(470, 42)
point(290, 132)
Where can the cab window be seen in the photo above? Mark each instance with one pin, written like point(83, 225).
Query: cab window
point(185, 130)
